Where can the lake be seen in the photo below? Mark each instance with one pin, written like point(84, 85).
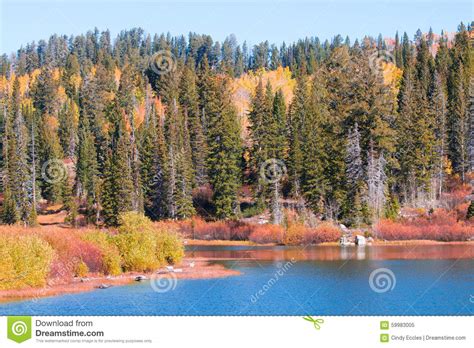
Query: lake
point(317, 280)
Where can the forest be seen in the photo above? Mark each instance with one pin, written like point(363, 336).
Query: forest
point(177, 127)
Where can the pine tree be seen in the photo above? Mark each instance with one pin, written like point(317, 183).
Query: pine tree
point(127, 100)
point(189, 101)
point(355, 176)
point(458, 121)
point(67, 130)
point(224, 143)
point(277, 148)
point(154, 171)
point(296, 119)
point(18, 187)
point(180, 164)
point(258, 113)
point(314, 160)
point(87, 177)
point(439, 111)
point(53, 171)
point(118, 188)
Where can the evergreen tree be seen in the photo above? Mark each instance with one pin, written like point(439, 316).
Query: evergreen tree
point(224, 143)
point(179, 164)
point(18, 185)
point(87, 177)
point(355, 176)
point(118, 186)
point(189, 101)
point(458, 121)
point(154, 170)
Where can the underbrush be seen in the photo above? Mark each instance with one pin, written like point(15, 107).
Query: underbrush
point(33, 257)
point(292, 234)
point(25, 261)
point(143, 247)
point(440, 225)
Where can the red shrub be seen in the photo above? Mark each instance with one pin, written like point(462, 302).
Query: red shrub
point(70, 251)
point(197, 228)
point(240, 231)
point(325, 232)
point(441, 226)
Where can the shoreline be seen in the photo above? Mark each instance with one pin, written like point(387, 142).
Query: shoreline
point(198, 242)
point(203, 269)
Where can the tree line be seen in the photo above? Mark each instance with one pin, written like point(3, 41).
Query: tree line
point(149, 124)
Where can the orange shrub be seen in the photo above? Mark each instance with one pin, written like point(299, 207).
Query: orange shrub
point(295, 234)
point(197, 228)
point(267, 234)
point(325, 232)
point(441, 226)
point(240, 231)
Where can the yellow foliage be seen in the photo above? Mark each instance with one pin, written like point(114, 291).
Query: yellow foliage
point(117, 74)
point(244, 87)
point(27, 103)
point(52, 122)
point(56, 75)
point(4, 85)
point(34, 74)
point(24, 82)
point(25, 261)
point(391, 75)
point(61, 94)
point(76, 81)
point(139, 114)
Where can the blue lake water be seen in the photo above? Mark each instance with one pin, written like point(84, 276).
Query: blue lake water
point(280, 287)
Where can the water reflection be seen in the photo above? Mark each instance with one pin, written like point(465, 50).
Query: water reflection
point(333, 253)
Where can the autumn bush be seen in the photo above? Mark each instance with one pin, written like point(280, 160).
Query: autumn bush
point(71, 250)
point(25, 261)
point(440, 225)
point(111, 260)
point(294, 234)
point(323, 233)
point(143, 247)
point(267, 233)
point(197, 228)
point(169, 247)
